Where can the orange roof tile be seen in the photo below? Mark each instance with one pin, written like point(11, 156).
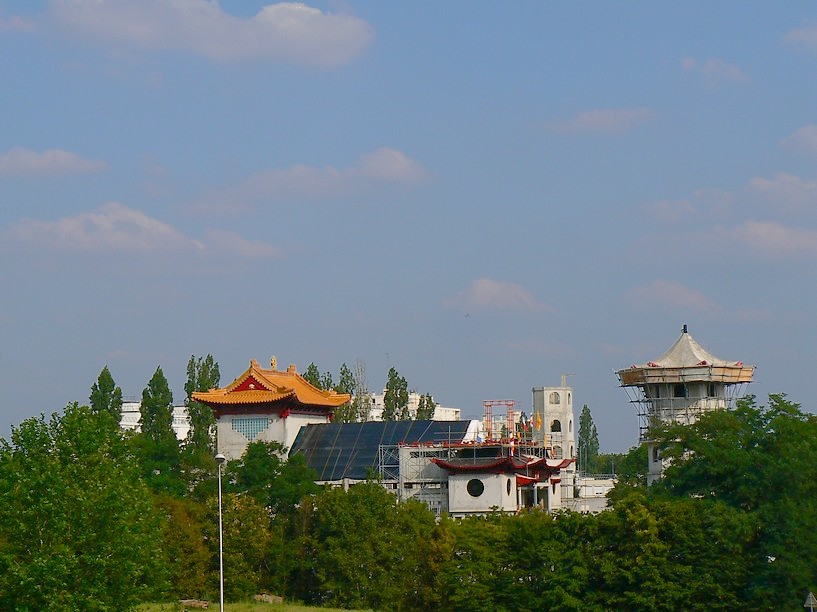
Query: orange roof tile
point(259, 386)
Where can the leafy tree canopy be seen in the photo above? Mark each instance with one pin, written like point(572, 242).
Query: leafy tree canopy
point(106, 397)
point(77, 526)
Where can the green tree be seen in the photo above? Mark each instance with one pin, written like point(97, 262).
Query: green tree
point(77, 526)
point(395, 400)
point(246, 545)
point(426, 407)
point(347, 413)
point(346, 380)
point(587, 444)
point(186, 546)
point(199, 445)
point(157, 446)
point(363, 548)
point(312, 375)
point(361, 404)
point(758, 459)
point(106, 397)
point(202, 375)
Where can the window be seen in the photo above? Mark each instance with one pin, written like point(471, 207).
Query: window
point(475, 487)
point(554, 398)
point(508, 486)
point(711, 390)
point(680, 390)
point(556, 425)
point(250, 427)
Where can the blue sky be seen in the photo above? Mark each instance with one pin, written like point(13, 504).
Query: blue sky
point(484, 196)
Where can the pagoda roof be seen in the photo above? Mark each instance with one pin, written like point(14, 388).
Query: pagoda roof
point(686, 360)
point(501, 464)
point(259, 385)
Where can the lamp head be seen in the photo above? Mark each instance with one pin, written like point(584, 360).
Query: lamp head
point(221, 459)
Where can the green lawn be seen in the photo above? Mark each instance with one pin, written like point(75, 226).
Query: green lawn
point(236, 607)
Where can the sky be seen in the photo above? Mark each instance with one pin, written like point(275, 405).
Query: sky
point(484, 196)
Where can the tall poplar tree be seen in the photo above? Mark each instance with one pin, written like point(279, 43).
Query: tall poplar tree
point(426, 407)
point(106, 397)
point(588, 442)
point(395, 400)
point(202, 375)
point(157, 445)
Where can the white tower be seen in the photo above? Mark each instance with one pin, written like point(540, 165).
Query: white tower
point(554, 426)
point(678, 387)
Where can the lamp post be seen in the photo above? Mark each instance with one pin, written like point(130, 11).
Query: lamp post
point(221, 459)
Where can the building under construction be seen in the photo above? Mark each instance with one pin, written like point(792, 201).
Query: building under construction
point(451, 466)
point(677, 387)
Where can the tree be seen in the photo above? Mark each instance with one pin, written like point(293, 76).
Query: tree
point(199, 447)
point(364, 548)
point(346, 380)
point(157, 446)
point(426, 407)
point(760, 460)
point(346, 384)
point(312, 375)
point(395, 400)
point(77, 526)
point(361, 398)
point(202, 375)
point(106, 397)
point(588, 443)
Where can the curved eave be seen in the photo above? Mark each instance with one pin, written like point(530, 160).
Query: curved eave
point(241, 397)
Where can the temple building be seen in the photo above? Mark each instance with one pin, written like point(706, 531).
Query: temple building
point(677, 387)
point(268, 405)
point(451, 466)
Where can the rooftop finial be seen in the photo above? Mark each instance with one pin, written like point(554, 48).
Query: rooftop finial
point(684, 329)
point(273, 362)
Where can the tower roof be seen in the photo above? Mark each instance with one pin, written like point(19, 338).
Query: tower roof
point(686, 361)
point(259, 385)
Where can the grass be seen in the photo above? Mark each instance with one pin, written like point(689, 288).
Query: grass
point(235, 607)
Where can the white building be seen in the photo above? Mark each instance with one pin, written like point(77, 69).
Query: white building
point(441, 413)
point(131, 417)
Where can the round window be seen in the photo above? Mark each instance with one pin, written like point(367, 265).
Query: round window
point(475, 487)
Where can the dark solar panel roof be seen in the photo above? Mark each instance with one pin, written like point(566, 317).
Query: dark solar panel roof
point(349, 450)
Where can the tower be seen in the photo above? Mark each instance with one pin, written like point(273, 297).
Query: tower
point(683, 383)
point(553, 425)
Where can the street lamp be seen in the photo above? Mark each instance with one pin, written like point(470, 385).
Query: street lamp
point(221, 459)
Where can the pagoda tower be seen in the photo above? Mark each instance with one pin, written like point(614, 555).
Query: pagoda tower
point(679, 386)
point(267, 404)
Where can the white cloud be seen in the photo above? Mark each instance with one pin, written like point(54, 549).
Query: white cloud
point(112, 227)
point(770, 238)
point(301, 181)
point(288, 31)
point(806, 36)
point(673, 294)
point(390, 165)
point(787, 191)
point(611, 120)
point(116, 228)
point(26, 163)
point(804, 138)
point(715, 71)
point(489, 294)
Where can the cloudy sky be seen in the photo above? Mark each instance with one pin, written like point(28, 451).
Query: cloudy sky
point(484, 196)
